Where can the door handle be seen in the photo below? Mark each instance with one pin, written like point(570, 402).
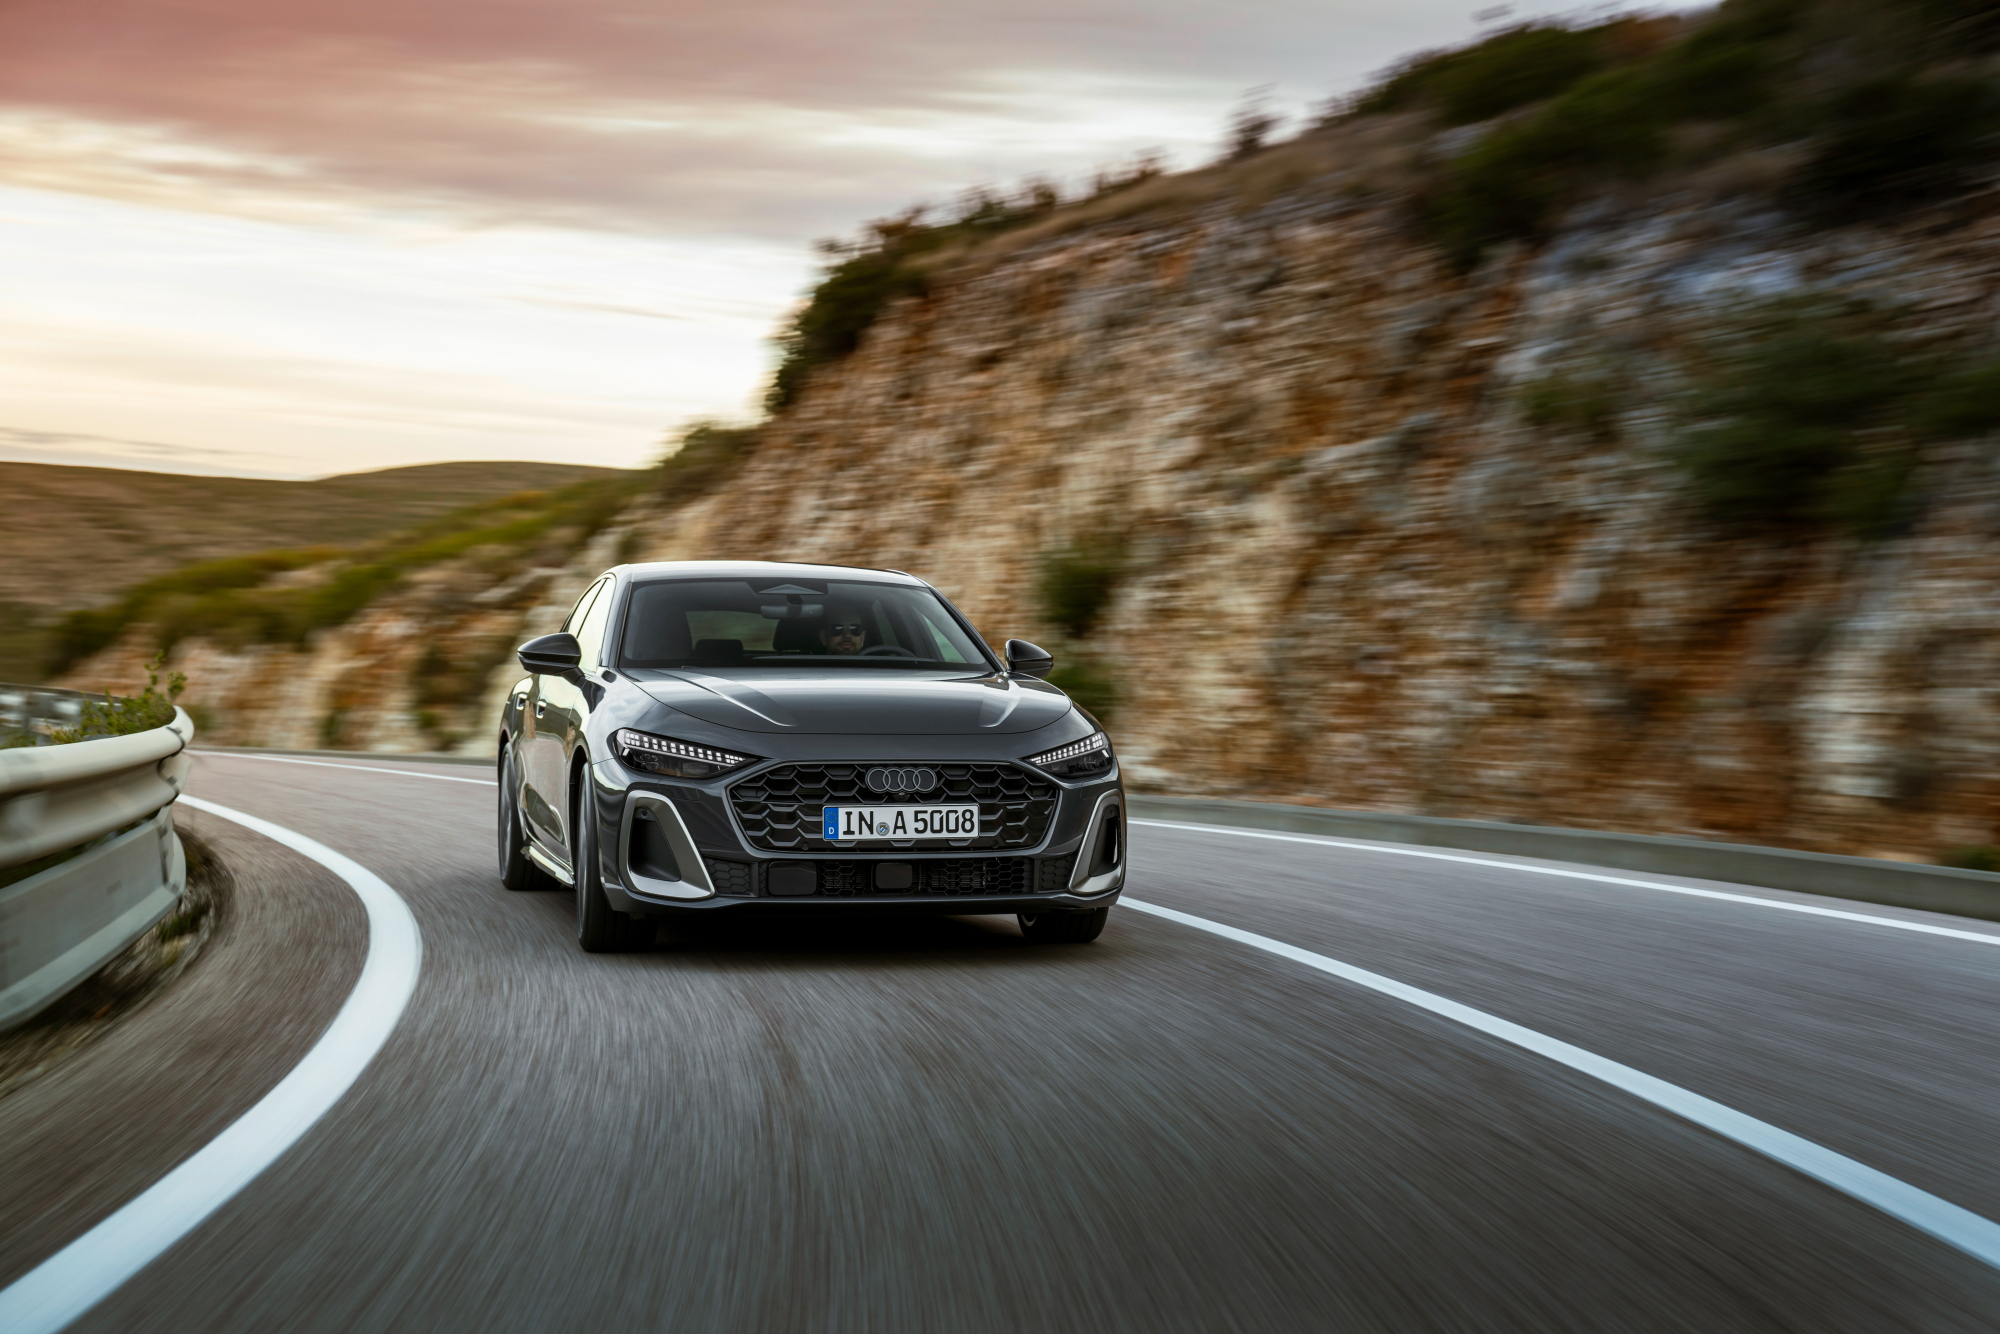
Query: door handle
point(541, 707)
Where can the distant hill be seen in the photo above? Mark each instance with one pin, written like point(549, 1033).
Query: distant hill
point(74, 537)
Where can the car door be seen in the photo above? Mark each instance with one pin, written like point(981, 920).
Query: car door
point(541, 750)
point(568, 706)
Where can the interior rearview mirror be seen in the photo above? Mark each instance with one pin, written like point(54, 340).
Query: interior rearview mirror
point(551, 655)
point(1025, 659)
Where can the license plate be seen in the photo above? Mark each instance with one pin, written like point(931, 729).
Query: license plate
point(841, 823)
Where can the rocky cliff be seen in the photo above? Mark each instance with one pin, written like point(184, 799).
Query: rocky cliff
point(1354, 528)
point(1349, 567)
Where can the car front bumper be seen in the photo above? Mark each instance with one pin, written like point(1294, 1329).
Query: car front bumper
point(672, 847)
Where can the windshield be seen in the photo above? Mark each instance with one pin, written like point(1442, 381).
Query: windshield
point(786, 622)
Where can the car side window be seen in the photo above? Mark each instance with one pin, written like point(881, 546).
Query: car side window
point(590, 636)
point(582, 607)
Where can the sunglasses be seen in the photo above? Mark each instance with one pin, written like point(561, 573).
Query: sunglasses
point(854, 629)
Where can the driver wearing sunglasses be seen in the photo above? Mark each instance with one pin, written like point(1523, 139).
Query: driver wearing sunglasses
point(845, 635)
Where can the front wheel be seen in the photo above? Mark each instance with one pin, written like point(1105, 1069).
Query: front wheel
point(600, 928)
point(1064, 928)
point(516, 871)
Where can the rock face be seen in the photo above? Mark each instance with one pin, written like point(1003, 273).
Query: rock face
point(1354, 575)
point(1352, 572)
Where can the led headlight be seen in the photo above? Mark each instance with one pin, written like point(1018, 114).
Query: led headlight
point(681, 759)
point(1079, 759)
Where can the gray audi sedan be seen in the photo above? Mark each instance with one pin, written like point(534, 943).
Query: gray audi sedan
point(754, 737)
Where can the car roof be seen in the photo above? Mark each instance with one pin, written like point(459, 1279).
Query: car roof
point(763, 569)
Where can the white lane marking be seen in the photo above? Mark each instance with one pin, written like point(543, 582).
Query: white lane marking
point(89, 1269)
point(1977, 1236)
point(335, 764)
point(1869, 918)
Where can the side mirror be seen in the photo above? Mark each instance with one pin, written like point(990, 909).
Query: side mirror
point(551, 655)
point(1024, 659)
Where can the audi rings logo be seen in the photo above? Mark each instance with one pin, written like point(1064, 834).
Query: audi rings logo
point(902, 780)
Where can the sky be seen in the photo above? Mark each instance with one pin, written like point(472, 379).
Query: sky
point(292, 238)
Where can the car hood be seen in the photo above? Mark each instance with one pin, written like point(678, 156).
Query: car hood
point(877, 704)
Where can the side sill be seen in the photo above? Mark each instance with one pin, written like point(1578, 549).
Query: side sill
point(551, 865)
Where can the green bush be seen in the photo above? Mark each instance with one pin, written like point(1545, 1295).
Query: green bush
point(1077, 582)
point(1513, 69)
point(116, 716)
point(224, 599)
point(1896, 132)
point(1979, 857)
point(867, 275)
point(1086, 681)
point(82, 633)
point(1584, 404)
point(1962, 405)
point(1508, 70)
point(703, 455)
point(1790, 423)
point(1899, 140)
point(1509, 185)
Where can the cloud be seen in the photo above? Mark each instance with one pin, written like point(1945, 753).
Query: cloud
point(753, 118)
point(80, 450)
point(771, 118)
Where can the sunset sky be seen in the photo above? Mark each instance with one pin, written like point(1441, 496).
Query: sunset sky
point(297, 237)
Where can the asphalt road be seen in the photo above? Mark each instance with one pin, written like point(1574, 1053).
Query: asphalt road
point(934, 1125)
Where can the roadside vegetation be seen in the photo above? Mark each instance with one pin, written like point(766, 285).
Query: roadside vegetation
point(1881, 104)
point(1851, 108)
point(1813, 414)
point(894, 257)
point(283, 597)
point(1076, 584)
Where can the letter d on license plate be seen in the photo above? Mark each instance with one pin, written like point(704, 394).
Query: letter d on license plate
point(839, 824)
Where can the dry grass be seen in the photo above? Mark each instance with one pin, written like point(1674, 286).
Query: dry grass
point(75, 535)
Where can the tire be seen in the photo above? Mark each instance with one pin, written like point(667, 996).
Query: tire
point(516, 871)
point(1064, 928)
point(600, 928)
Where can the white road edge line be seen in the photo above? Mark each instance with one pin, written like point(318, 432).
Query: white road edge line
point(335, 764)
point(1977, 1236)
point(1806, 908)
point(89, 1269)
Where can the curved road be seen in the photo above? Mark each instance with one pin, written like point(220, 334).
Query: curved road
point(934, 1125)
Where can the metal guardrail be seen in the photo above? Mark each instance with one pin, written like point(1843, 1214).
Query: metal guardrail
point(88, 857)
point(35, 709)
point(1897, 884)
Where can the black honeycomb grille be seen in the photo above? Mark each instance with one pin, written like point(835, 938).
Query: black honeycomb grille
point(975, 875)
point(779, 808)
point(737, 879)
point(947, 877)
point(1052, 873)
point(844, 880)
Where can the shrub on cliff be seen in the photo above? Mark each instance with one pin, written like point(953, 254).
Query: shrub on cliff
point(1800, 418)
point(1899, 140)
point(701, 457)
point(1585, 404)
point(1859, 82)
point(864, 276)
point(1077, 582)
point(1965, 403)
point(1508, 70)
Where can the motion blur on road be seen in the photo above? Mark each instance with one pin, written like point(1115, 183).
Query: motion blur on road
point(933, 1124)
